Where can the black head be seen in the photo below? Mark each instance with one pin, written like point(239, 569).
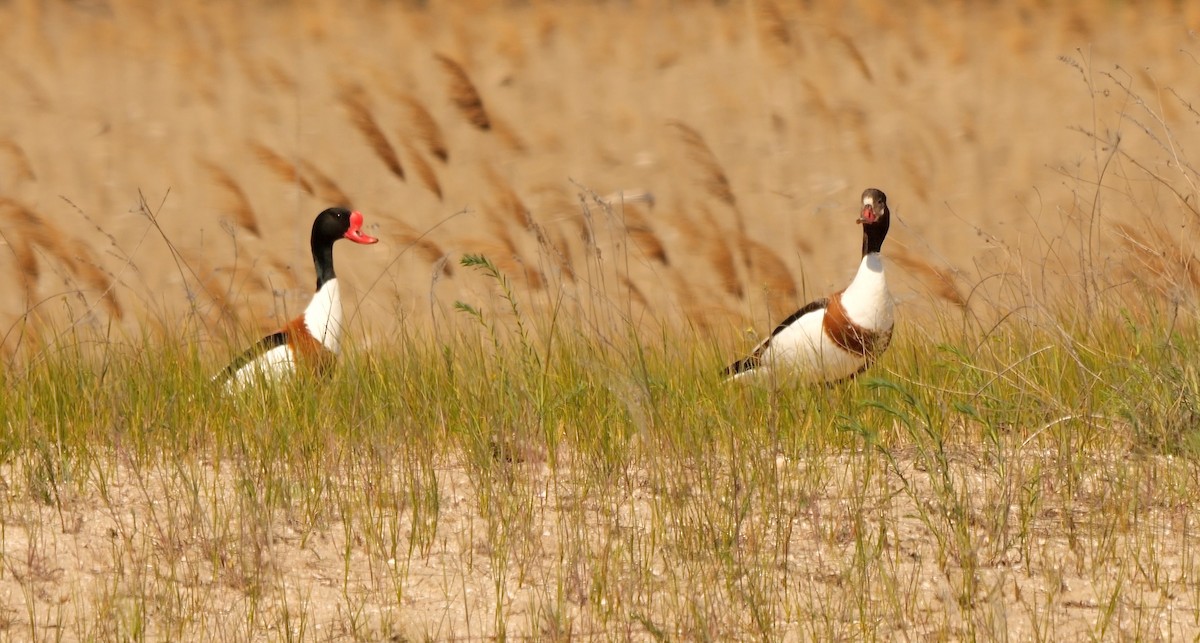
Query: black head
point(329, 226)
point(875, 219)
point(339, 223)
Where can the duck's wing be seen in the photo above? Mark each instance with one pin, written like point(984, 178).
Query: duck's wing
point(255, 351)
point(754, 360)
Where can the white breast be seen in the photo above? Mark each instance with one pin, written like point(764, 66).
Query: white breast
point(323, 317)
point(867, 300)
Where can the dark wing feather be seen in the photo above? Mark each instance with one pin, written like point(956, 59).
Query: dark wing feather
point(261, 346)
point(753, 361)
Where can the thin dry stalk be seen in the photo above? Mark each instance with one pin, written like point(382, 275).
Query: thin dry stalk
point(240, 208)
point(634, 292)
point(281, 166)
point(426, 128)
point(1158, 261)
point(562, 249)
point(548, 247)
point(355, 102)
point(92, 275)
point(223, 310)
point(463, 93)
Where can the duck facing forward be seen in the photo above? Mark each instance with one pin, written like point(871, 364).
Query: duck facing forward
point(310, 341)
point(836, 337)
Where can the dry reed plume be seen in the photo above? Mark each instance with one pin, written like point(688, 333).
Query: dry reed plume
point(510, 203)
point(772, 23)
point(939, 281)
point(425, 127)
point(855, 54)
point(407, 235)
point(355, 102)
point(20, 161)
point(281, 167)
point(637, 226)
point(501, 252)
point(772, 274)
point(511, 260)
point(508, 136)
point(716, 183)
point(240, 208)
point(714, 179)
point(772, 28)
point(463, 93)
point(720, 254)
point(324, 187)
point(425, 172)
point(634, 292)
point(27, 231)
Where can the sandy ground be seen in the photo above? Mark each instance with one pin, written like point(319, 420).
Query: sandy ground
point(176, 553)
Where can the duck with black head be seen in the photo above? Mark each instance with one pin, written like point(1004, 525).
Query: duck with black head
point(835, 337)
point(310, 341)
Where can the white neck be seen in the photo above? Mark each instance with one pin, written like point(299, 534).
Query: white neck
point(867, 300)
point(323, 317)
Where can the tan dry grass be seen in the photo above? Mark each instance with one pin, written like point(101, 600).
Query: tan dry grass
point(713, 177)
point(324, 187)
point(354, 99)
point(771, 274)
point(23, 168)
point(588, 93)
point(509, 203)
point(939, 281)
point(240, 208)
point(637, 225)
point(463, 94)
point(424, 170)
point(29, 233)
point(425, 127)
point(284, 169)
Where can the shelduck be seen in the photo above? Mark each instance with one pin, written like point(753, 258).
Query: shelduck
point(310, 341)
point(837, 337)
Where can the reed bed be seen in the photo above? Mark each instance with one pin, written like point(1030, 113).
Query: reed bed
point(585, 212)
